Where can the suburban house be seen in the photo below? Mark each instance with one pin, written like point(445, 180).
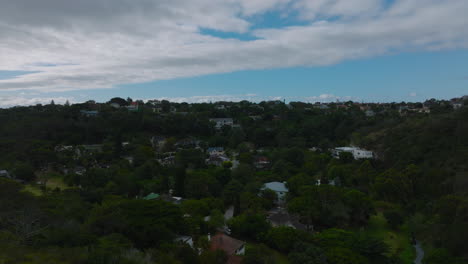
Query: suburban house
point(168, 161)
point(220, 122)
point(61, 148)
point(188, 143)
point(220, 107)
point(89, 113)
point(215, 151)
point(261, 162)
point(171, 199)
point(93, 148)
point(281, 217)
point(357, 153)
point(370, 113)
point(217, 160)
point(232, 247)
point(185, 239)
point(157, 142)
point(115, 105)
point(5, 174)
point(151, 196)
point(278, 187)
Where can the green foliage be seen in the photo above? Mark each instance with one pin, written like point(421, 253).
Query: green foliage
point(306, 253)
point(285, 238)
point(259, 254)
point(249, 226)
point(146, 223)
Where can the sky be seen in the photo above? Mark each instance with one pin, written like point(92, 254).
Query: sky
point(231, 50)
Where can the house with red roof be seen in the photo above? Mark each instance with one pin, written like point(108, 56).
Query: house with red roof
point(234, 248)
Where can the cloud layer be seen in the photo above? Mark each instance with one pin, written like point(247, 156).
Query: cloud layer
point(88, 44)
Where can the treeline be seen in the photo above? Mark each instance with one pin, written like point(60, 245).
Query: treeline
point(418, 183)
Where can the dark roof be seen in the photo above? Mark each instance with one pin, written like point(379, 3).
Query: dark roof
point(225, 243)
point(233, 259)
point(283, 218)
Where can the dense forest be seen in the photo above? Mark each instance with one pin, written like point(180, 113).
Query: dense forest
point(159, 182)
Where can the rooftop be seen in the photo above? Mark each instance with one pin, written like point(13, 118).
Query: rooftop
point(225, 243)
point(276, 186)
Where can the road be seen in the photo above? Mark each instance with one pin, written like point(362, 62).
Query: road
point(419, 253)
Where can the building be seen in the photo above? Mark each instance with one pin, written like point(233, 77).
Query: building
point(233, 248)
point(280, 217)
point(278, 187)
point(133, 106)
point(185, 240)
point(261, 162)
point(5, 174)
point(217, 160)
point(370, 113)
point(115, 105)
point(151, 196)
point(220, 122)
point(355, 151)
point(157, 142)
point(215, 151)
point(89, 113)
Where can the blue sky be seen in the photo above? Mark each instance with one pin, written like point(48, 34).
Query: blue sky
point(199, 50)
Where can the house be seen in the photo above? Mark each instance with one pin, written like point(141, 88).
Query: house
point(356, 152)
point(217, 160)
point(185, 240)
point(79, 170)
point(457, 105)
point(261, 162)
point(151, 196)
point(220, 122)
point(278, 187)
point(370, 113)
point(255, 117)
point(215, 151)
point(61, 148)
point(89, 113)
point(4, 174)
point(133, 106)
point(168, 161)
point(321, 106)
point(171, 199)
point(188, 143)
point(232, 247)
point(280, 217)
point(92, 148)
point(115, 105)
point(157, 142)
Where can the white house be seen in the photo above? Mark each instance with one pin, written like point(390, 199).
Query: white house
point(4, 173)
point(220, 122)
point(185, 239)
point(215, 151)
point(357, 153)
point(278, 187)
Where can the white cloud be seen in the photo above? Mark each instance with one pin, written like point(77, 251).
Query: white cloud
point(326, 98)
point(412, 94)
point(21, 100)
point(90, 44)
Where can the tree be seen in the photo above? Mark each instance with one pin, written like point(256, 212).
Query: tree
point(307, 253)
point(284, 238)
point(119, 101)
point(213, 257)
point(338, 255)
point(249, 226)
point(145, 223)
point(231, 192)
point(24, 171)
point(259, 254)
